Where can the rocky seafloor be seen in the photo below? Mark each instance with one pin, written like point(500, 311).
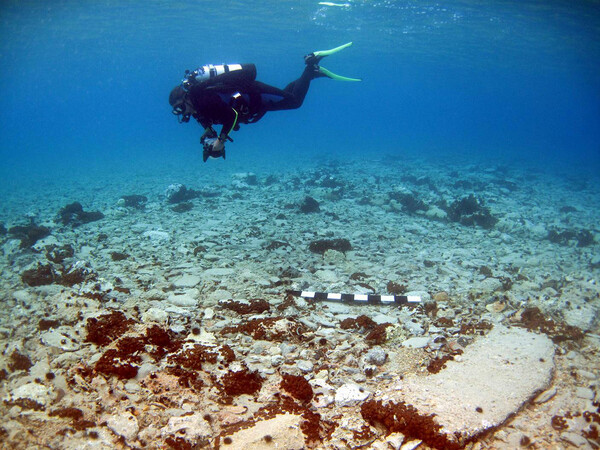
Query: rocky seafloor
point(152, 312)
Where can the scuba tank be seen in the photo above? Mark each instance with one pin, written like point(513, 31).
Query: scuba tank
point(210, 74)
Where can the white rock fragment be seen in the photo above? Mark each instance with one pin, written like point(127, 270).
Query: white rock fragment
point(185, 299)
point(414, 328)
point(436, 213)
point(337, 308)
point(156, 235)
point(585, 393)
point(124, 424)
point(324, 394)
point(305, 365)
point(55, 338)
point(574, 439)
point(187, 281)
point(395, 440)
point(546, 395)
point(209, 314)
point(155, 315)
point(277, 360)
point(376, 356)
point(218, 272)
point(23, 296)
point(328, 276)
point(350, 394)
point(582, 316)
point(31, 395)
point(145, 370)
point(416, 342)
point(284, 429)
point(132, 386)
point(204, 337)
point(218, 295)
point(585, 374)
point(192, 426)
point(139, 228)
point(411, 445)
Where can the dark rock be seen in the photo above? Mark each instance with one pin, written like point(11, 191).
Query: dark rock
point(395, 288)
point(179, 193)
point(486, 271)
point(470, 211)
point(29, 234)
point(567, 209)
point(135, 201)
point(182, 207)
point(274, 245)
point(409, 202)
point(57, 254)
point(46, 324)
point(40, 276)
point(19, 361)
point(253, 306)
point(77, 274)
point(116, 256)
point(198, 250)
point(3, 229)
point(584, 238)
point(290, 272)
point(331, 182)
point(309, 205)
point(74, 215)
point(105, 329)
point(358, 276)
point(270, 180)
point(322, 245)
point(464, 207)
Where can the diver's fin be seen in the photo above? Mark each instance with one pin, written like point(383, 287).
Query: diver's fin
point(315, 57)
point(322, 53)
point(333, 76)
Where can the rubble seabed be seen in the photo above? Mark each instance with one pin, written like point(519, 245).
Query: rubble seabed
point(151, 326)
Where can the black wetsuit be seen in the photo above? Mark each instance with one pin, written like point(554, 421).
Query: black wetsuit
point(246, 101)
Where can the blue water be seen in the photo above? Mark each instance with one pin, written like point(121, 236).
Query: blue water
point(86, 83)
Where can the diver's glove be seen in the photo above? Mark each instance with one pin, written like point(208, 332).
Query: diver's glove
point(209, 132)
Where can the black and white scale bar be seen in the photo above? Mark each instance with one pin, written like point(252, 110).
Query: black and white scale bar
point(359, 298)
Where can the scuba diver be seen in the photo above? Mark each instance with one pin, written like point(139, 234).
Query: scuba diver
point(228, 95)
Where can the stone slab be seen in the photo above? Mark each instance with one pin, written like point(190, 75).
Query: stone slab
point(284, 430)
point(187, 281)
point(485, 385)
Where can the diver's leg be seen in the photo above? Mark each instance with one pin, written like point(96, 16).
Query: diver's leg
point(291, 97)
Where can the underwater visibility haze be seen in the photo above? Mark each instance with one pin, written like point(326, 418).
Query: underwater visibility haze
point(88, 81)
point(412, 258)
